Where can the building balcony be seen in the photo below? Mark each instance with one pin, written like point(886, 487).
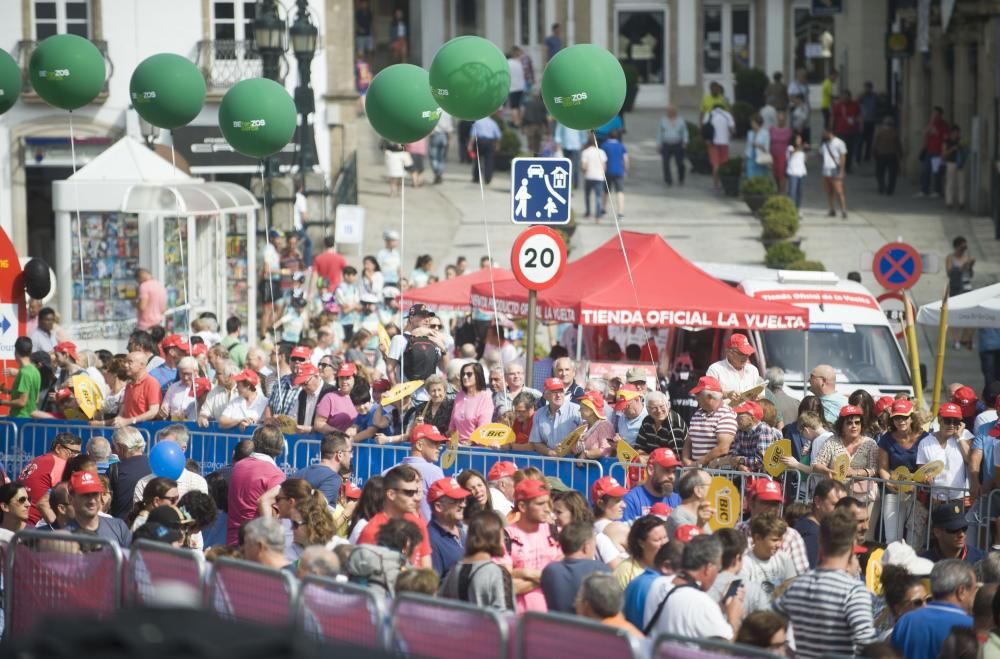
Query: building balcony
point(22, 55)
point(225, 62)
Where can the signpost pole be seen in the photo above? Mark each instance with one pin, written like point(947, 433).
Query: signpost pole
point(529, 344)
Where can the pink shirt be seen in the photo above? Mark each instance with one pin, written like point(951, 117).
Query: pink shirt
point(418, 148)
point(337, 409)
point(155, 296)
point(532, 551)
point(470, 412)
point(251, 478)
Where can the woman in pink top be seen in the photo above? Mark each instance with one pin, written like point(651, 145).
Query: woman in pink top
point(336, 411)
point(417, 151)
point(473, 404)
point(781, 137)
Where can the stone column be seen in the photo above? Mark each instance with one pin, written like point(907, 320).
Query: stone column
point(341, 97)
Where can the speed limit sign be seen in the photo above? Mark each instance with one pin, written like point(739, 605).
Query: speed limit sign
point(538, 258)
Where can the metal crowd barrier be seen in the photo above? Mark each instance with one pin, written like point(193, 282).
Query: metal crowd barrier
point(343, 612)
point(671, 646)
point(448, 629)
point(551, 634)
point(249, 592)
point(35, 438)
point(153, 566)
point(51, 574)
point(11, 447)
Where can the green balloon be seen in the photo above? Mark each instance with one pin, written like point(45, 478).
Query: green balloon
point(257, 117)
point(399, 104)
point(167, 90)
point(10, 81)
point(583, 86)
point(67, 71)
point(470, 78)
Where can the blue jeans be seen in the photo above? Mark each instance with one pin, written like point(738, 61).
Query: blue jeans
point(598, 189)
point(795, 189)
point(928, 179)
point(574, 158)
point(438, 152)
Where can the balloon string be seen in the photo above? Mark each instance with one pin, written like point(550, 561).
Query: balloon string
point(184, 277)
point(628, 266)
point(493, 285)
point(79, 222)
point(270, 278)
point(402, 247)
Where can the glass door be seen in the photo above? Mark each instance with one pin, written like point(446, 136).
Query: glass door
point(641, 43)
point(176, 270)
point(728, 43)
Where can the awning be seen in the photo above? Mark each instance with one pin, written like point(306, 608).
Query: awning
point(454, 294)
point(978, 308)
point(195, 198)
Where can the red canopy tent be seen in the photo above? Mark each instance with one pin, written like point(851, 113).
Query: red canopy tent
point(454, 294)
point(596, 290)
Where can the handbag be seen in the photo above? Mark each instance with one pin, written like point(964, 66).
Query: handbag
point(763, 158)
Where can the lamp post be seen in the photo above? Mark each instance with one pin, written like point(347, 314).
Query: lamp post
point(269, 36)
point(304, 35)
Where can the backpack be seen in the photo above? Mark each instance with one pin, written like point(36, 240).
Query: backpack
point(707, 129)
point(420, 358)
point(466, 574)
point(376, 567)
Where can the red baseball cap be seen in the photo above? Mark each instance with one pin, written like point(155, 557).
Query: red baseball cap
point(350, 490)
point(660, 509)
point(501, 470)
point(301, 352)
point(199, 349)
point(246, 375)
point(183, 346)
point(766, 490)
point(427, 431)
point(446, 487)
point(202, 386)
point(606, 487)
point(64, 393)
point(664, 457)
point(739, 342)
point(883, 403)
point(966, 397)
point(67, 348)
point(626, 393)
point(707, 383)
point(851, 410)
point(685, 532)
point(85, 482)
point(554, 384)
point(901, 407)
point(995, 430)
point(170, 341)
point(750, 407)
point(530, 489)
point(347, 370)
point(306, 371)
point(595, 401)
point(950, 411)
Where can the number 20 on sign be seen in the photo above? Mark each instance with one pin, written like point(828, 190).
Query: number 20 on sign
point(538, 258)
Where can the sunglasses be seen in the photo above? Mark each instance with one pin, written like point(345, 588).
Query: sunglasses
point(325, 365)
point(920, 601)
point(408, 493)
point(853, 422)
point(964, 529)
point(468, 374)
point(296, 524)
point(951, 422)
point(297, 360)
point(172, 500)
point(21, 500)
point(437, 326)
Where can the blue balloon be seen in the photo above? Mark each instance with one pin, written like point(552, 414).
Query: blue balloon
point(167, 460)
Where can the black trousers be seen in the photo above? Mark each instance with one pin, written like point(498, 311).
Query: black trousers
point(886, 170)
point(487, 149)
point(673, 152)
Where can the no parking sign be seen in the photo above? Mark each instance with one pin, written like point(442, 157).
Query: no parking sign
point(897, 266)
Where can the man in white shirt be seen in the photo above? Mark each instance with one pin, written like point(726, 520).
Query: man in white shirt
point(834, 154)
point(188, 480)
point(948, 446)
point(388, 258)
point(221, 394)
point(593, 162)
point(248, 408)
point(735, 373)
point(501, 484)
point(723, 126)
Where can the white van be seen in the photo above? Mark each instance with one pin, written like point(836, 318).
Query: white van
point(847, 330)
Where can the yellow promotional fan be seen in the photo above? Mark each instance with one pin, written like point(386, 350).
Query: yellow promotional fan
point(400, 391)
point(568, 443)
point(454, 440)
point(840, 466)
point(773, 455)
point(873, 573)
point(725, 498)
point(750, 394)
point(448, 458)
point(901, 473)
point(383, 338)
point(286, 424)
point(88, 395)
point(74, 414)
point(492, 435)
point(626, 454)
point(929, 470)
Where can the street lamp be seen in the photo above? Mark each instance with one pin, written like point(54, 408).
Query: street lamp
point(269, 36)
point(304, 35)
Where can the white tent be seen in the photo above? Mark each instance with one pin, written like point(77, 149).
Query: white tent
point(978, 308)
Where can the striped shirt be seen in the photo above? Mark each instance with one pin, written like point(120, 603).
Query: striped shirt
point(751, 444)
point(704, 429)
point(830, 612)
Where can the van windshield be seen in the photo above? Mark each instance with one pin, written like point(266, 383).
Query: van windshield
point(867, 355)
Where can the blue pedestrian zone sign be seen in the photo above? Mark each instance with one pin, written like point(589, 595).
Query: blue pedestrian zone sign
point(540, 190)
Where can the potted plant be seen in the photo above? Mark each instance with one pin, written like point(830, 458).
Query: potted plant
point(781, 255)
point(631, 85)
point(756, 190)
point(751, 87)
point(697, 150)
point(778, 225)
point(729, 175)
point(805, 264)
point(508, 148)
point(742, 111)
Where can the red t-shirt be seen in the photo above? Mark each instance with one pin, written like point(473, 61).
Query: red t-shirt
point(329, 266)
point(38, 477)
point(140, 396)
point(846, 118)
point(371, 530)
point(935, 137)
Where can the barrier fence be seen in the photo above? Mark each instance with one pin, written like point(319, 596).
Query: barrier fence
point(344, 612)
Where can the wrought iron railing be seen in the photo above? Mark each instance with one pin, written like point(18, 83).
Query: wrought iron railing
point(224, 62)
point(22, 55)
point(345, 188)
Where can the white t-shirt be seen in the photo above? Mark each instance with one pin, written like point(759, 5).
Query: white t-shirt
point(179, 402)
point(731, 379)
point(239, 409)
point(188, 482)
point(689, 612)
point(388, 261)
point(592, 162)
point(833, 152)
point(500, 502)
point(607, 549)
point(983, 417)
point(301, 208)
point(954, 474)
point(724, 125)
point(517, 82)
point(796, 162)
point(768, 575)
point(216, 401)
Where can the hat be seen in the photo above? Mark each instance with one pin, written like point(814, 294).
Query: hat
point(446, 487)
point(860, 549)
point(626, 393)
point(350, 490)
point(169, 516)
point(202, 386)
point(752, 408)
point(183, 346)
point(306, 371)
point(426, 431)
point(664, 457)
point(171, 341)
point(389, 234)
point(246, 375)
point(390, 292)
point(994, 430)
point(501, 470)
point(554, 384)
point(530, 489)
point(85, 482)
point(419, 309)
point(274, 233)
point(301, 352)
point(950, 517)
point(967, 398)
point(162, 533)
point(851, 410)
point(199, 349)
point(595, 401)
point(635, 374)
point(707, 383)
point(901, 554)
point(67, 348)
point(950, 411)
point(766, 490)
point(369, 298)
point(660, 509)
point(901, 407)
point(685, 532)
point(739, 342)
point(883, 403)
point(347, 370)
point(64, 393)
point(606, 486)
